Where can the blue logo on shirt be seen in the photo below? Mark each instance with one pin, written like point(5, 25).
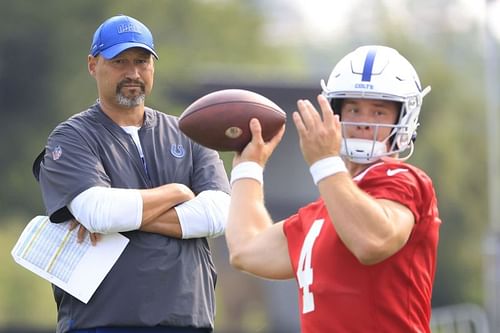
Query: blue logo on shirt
point(177, 150)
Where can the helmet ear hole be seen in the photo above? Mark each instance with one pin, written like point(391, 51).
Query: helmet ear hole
point(408, 132)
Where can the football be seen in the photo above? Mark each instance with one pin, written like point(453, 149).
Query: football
point(220, 120)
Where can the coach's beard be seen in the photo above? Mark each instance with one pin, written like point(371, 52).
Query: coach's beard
point(132, 101)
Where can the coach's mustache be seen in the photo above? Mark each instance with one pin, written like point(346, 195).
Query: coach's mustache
point(125, 82)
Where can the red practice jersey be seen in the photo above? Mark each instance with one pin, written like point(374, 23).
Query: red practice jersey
point(339, 294)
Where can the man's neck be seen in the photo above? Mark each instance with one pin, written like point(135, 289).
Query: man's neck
point(124, 116)
point(357, 168)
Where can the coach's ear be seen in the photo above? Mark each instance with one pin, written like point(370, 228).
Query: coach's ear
point(91, 63)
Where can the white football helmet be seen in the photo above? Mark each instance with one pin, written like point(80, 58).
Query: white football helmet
point(377, 72)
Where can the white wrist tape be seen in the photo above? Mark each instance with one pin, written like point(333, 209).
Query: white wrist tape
point(327, 167)
point(205, 215)
point(250, 170)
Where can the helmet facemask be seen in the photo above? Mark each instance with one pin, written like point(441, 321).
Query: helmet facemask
point(365, 151)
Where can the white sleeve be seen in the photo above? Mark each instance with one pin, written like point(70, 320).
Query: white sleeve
point(107, 210)
point(205, 215)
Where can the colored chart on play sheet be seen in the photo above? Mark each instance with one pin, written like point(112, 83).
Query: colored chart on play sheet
point(52, 252)
point(60, 261)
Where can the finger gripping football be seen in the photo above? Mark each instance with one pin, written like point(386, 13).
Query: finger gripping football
point(220, 120)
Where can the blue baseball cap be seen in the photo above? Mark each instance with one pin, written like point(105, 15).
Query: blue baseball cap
point(120, 33)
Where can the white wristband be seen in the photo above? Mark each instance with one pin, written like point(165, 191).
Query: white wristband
point(250, 170)
point(327, 167)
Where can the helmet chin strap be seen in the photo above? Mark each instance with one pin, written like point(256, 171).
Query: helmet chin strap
point(363, 151)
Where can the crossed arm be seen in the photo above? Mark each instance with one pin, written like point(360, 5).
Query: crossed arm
point(171, 210)
point(158, 215)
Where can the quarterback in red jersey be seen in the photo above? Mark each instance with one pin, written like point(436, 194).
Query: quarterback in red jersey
point(364, 254)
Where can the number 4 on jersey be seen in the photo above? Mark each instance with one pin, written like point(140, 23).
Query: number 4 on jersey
point(304, 268)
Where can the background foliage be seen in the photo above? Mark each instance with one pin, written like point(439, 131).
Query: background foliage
point(44, 80)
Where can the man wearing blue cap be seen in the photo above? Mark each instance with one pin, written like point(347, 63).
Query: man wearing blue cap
point(122, 167)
